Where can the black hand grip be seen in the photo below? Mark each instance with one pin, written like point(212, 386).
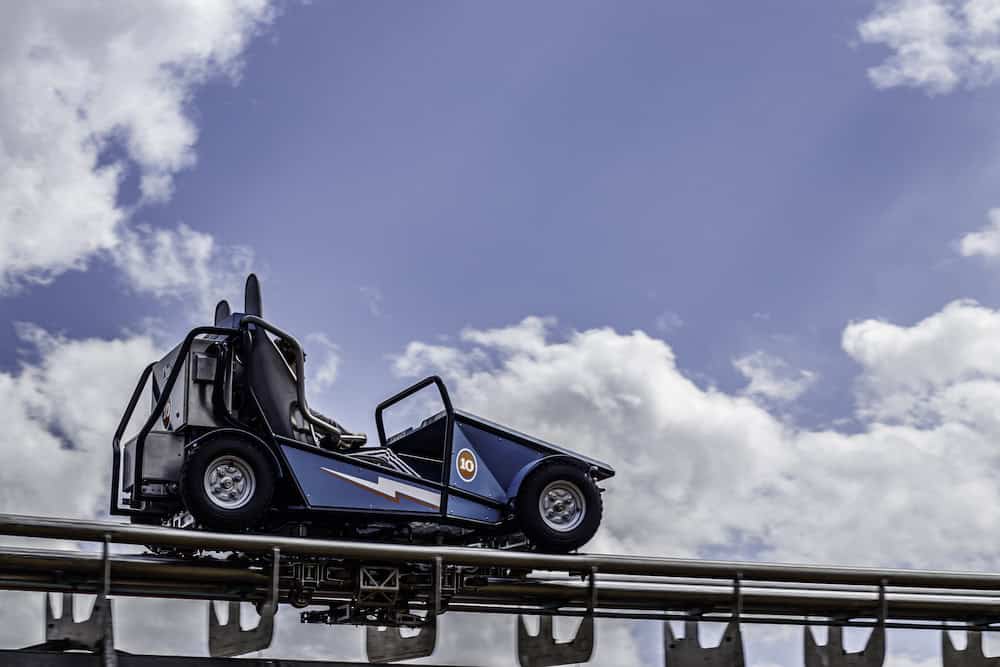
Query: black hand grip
point(409, 391)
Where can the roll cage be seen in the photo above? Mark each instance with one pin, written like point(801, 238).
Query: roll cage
point(226, 334)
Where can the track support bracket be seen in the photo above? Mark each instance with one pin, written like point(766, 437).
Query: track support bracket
point(95, 633)
point(832, 654)
point(971, 656)
point(542, 650)
point(688, 651)
point(230, 640)
point(388, 644)
point(384, 645)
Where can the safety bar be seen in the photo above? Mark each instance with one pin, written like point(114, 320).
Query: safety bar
point(410, 391)
point(116, 441)
point(300, 382)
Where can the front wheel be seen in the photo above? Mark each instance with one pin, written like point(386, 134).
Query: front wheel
point(227, 484)
point(559, 507)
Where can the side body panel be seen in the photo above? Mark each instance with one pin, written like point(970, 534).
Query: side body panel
point(334, 483)
point(498, 460)
point(162, 458)
point(601, 469)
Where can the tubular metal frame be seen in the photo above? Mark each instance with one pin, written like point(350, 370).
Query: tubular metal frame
point(602, 586)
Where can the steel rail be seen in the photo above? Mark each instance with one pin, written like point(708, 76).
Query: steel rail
point(94, 531)
point(144, 576)
point(128, 566)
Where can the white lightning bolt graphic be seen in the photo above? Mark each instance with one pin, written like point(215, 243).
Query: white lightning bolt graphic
point(392, 489)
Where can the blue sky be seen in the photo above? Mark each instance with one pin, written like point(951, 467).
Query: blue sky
point(743, 231)
point(604, 165)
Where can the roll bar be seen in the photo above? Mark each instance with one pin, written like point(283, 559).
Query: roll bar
point(168, 386)
point(410, 391)
point(119, 432)
point(161, 403)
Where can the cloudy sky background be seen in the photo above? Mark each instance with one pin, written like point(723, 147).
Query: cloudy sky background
point(747, 253)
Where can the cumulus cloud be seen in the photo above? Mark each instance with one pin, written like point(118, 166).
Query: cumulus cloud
point(91, 91)
point(182, 264)
point(322, 373)
point(700, 471)
point(713, 473)
point(985, 242)
point(59, 412)
point(936, 45)
point(706, 473)
point(941, 371)
point(772, 378)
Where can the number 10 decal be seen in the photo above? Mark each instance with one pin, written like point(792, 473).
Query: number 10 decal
point(466, 464)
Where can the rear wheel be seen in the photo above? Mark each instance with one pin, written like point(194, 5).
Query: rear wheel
point(559, 507)
point(227, 484)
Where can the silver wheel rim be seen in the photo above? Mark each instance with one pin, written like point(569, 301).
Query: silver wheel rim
point(229, 482)
point(562, 506)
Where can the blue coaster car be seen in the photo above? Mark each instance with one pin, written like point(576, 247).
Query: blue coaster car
point(231, 444)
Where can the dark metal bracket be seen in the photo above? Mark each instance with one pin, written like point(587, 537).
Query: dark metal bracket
point(389, 645)
point(971, 656)
point(688, 651)
point(230, 639)
point(832, 654)
point(542, 650)
point(95, 633)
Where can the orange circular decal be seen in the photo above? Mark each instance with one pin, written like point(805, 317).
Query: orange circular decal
point(466, 464)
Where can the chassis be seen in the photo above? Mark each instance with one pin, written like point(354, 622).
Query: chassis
point(230, 443)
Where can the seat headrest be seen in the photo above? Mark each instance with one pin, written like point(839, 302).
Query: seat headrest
point(252, 303)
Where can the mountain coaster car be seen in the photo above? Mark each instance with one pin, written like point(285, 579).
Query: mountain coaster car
point(231, 444)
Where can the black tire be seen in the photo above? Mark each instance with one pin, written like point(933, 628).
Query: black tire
point(542, 533)
point(253, 499)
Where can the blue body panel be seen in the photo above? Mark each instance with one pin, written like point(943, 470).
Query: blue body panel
point(484, 483)
point(463, 508)
point(334, 483)
point(508, 437)
point(502, 459)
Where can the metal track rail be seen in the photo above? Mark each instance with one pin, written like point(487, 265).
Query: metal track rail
point(260, 569)
point(117, 533)
point(142, 576)
point(599, 585)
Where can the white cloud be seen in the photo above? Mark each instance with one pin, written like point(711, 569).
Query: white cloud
point(79, 79)
point(936, 44)
point(182, 263)
point(698, 470)
point(943, 370)
point(985, 242)
point(709, 472)
point(323, 373)
point(772, 378)
point(59, 413)
point(704, 472)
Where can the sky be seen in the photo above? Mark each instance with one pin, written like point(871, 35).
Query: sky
point(748, 253)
